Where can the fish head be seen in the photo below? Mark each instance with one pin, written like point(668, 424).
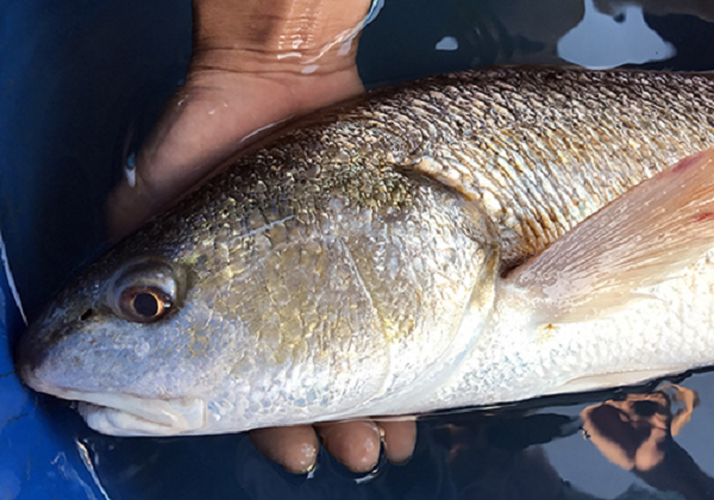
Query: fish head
point(113, 340)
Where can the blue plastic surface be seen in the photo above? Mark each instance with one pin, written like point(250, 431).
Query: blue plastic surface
point(36, 457)
point(75, 77)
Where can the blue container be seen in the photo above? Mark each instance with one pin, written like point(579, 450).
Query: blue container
point(81, 83)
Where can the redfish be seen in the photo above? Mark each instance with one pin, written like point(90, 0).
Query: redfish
point(468, 239)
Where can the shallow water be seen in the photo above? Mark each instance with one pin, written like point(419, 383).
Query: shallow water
point(81, 83)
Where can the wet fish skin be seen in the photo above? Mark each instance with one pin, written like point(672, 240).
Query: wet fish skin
point(326, 275)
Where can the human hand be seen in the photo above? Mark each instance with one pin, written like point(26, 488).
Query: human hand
point(251, 69)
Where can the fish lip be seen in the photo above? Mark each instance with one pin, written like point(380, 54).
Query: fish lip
point(130, 415)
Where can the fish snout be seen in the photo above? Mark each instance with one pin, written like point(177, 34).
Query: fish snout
point(48, 355)
point(31, 355)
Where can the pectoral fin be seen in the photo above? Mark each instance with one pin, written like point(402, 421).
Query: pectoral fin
point(654, 230)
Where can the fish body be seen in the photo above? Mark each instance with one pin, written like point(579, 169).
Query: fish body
point(378, 258)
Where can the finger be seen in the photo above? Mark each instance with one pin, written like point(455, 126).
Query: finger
point(355, 444)
point(399, 439)
point(294, 448)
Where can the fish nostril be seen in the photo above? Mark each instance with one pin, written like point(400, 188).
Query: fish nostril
point(85, 315)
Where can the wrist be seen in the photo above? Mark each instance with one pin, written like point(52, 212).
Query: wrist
point(298, 36)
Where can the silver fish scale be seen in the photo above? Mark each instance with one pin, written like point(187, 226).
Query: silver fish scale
point(546, 148)
point(509, 363)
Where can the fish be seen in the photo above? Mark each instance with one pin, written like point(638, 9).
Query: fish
point(468, 239)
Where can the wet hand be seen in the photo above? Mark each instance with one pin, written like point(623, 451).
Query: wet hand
point(354, 443)
point(252, 69)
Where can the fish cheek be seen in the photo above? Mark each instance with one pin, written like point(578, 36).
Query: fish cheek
point(194, 348)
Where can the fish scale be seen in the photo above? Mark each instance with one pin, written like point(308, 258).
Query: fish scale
point(597, 108)
point(366, 261)
point(634, 339)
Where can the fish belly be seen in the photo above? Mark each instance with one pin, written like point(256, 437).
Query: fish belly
point(666, 329)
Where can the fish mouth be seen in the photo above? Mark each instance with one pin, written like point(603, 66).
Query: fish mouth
point(118, 414)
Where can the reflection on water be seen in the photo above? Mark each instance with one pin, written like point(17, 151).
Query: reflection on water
point(626, 446)
point(637, 434)
point(501, 454)
point(602, 40)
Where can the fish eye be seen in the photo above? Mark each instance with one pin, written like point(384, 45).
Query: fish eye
point(143, 303)
point(144, 291)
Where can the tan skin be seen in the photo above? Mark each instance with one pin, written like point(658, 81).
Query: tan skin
point(257, 63)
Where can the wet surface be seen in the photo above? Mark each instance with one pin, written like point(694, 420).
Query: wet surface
point(79, 86)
